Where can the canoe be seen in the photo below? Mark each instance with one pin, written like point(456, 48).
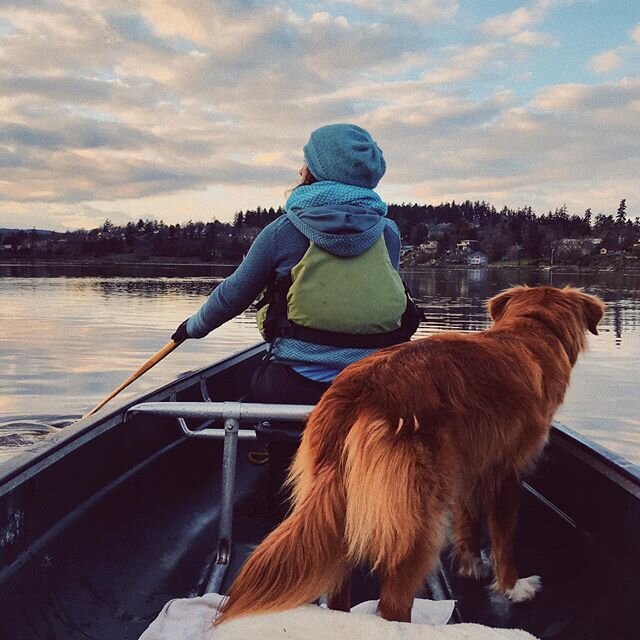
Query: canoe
point(155, 498)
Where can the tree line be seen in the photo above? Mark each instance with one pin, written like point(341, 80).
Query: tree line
point(516, 233)
point(433, 232)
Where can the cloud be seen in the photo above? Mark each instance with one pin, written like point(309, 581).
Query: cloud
point(521, 20)
point(173, 97)
point(422, 11)
point(74, 133)
point(225, 27)
point(585, 136)
point(466, 62)
point(176, 109)
point(611, 96)
point(507, 24)
point(573, 144)
point(534, 39)
point(89, 177)
point(619, 57)
point(605, 62)
point(58, 216)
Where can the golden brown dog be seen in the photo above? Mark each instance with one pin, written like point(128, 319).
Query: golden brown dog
point(441, 425)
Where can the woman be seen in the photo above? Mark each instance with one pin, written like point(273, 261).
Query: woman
point(328, 270)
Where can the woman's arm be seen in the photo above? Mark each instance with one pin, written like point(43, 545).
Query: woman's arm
point(241, 288)
point(393, 241)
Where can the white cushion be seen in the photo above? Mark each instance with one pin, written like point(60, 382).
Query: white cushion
point(192, 619)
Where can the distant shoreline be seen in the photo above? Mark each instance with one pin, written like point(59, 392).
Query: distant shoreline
point(155, 262)
point(173, 263)
point(560, 268)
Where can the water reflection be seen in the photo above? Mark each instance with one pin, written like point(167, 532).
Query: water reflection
point(68, 339)
point(455, 299)
point(150, 288)
point(139, 269)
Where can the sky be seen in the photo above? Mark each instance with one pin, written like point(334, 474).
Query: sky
point(195, 109)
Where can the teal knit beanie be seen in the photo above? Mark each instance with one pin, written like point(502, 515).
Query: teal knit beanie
point(345, 153)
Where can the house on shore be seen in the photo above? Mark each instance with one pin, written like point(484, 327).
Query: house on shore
point(467, 245)
point(477, 259)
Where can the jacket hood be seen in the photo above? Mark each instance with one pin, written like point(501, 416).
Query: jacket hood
point(341, 229)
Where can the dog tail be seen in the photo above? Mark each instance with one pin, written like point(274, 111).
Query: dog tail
point(304, 556)
point(356, 500)
point(385, 490)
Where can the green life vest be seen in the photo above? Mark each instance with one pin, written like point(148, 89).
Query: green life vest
point(356, 301)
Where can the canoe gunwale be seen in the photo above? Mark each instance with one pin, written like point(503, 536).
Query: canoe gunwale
point(23, 466)
point(614, 467)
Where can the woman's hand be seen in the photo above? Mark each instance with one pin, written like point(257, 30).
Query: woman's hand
point(180, 334)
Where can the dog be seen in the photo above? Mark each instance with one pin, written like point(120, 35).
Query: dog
point(407, 437)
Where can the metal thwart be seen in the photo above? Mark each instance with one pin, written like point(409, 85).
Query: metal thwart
point(233, 414)
point(229, 457)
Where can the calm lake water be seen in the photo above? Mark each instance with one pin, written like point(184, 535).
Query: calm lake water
point(71, 335)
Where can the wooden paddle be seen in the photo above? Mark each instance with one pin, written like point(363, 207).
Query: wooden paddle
point(165, 351)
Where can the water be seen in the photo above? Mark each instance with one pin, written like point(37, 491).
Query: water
point(70, 335)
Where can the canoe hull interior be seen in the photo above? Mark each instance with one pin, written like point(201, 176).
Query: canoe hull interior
point(103, 528)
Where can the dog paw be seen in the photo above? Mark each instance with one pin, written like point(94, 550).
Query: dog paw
point(473, 567)
point(525, 589)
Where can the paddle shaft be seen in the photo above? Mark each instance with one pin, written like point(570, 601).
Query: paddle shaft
point(151, 362)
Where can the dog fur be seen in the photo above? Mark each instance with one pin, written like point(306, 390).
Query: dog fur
point(409, 436)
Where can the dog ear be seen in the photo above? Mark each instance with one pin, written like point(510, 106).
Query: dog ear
point(593, 311)
point(498, 304)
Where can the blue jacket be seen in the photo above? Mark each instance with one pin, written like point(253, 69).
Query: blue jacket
point(344, 230)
